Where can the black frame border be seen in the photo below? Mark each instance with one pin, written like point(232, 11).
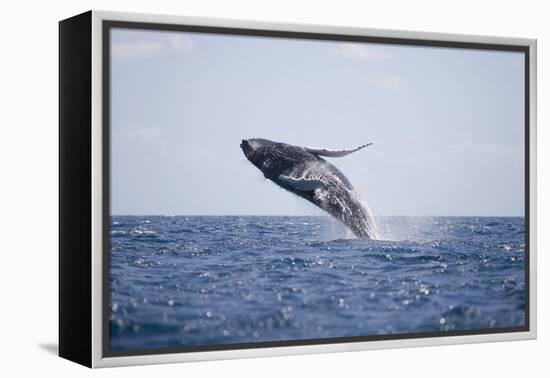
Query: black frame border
point(107, 25)
point(75, 189)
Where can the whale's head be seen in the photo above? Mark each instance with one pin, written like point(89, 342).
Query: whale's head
point(257, 150)
point(275, 158)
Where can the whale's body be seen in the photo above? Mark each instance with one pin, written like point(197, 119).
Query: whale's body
point(304, 172)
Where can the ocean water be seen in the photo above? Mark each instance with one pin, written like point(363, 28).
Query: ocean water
point(204, 280)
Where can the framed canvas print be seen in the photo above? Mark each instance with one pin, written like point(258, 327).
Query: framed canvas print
point(235, 189)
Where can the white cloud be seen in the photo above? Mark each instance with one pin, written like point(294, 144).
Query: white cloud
point(144, 48)
point(361, 52)
point(139, 134)
point(490, 155)
point(181, 42)
point(387, 81)
point(128, 50)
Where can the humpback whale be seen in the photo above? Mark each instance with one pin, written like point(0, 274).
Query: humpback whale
point(304, 172)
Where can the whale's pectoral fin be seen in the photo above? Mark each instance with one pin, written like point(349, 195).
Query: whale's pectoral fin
point(303, 185)
point(333, 153)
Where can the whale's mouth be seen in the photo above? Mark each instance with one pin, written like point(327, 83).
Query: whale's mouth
point(245, 146)
point(248, 147)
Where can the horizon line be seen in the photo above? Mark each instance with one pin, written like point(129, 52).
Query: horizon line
point(306, 215)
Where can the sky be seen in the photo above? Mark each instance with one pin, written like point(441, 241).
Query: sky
point(447, 123)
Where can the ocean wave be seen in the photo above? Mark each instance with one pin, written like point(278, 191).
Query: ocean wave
point(434, 274)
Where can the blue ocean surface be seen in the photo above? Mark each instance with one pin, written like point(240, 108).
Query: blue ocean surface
point(188, 281)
